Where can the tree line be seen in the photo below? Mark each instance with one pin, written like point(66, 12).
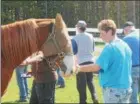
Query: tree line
point(72, 11)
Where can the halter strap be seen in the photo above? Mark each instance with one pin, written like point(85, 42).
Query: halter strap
point(53, 38)
point(60, 54)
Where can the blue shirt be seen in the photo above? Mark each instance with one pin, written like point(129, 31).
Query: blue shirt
point(133, 40)
point(115, 62)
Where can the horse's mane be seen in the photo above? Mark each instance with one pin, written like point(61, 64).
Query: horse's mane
point(19, 40)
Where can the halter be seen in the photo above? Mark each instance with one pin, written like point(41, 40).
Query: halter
point(60, 55)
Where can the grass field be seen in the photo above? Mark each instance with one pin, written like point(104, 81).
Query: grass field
point(68, 94)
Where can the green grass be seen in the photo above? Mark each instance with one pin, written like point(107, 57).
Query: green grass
point(100, 44)
point(69, 94)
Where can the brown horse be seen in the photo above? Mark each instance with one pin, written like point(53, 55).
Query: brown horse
point(23, 38)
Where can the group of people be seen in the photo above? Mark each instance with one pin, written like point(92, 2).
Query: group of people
point(118, 66)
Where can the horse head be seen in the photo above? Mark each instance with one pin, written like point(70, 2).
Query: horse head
point(57, 43)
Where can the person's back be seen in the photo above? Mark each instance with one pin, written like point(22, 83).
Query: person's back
point(133, 40)
point(85, 43)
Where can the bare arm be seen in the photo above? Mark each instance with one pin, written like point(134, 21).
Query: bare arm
point(89, 68)
point(31, 60)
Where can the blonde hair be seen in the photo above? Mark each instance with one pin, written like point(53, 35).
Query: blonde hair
point(107, 25)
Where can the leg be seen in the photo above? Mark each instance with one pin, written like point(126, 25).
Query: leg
point(46, 92)
point(61, 79)
point(25, 82)
point(81, 86)
point(139, 90)
point(91, 87)
point(34, 98)
point(58, 81)
point(20, 81)
point(134, 95)
point(114, 95)
point(135, 84)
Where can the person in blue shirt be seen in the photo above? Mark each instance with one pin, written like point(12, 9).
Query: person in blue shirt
point(83, 47)
point(133, 40)
point(113, 64)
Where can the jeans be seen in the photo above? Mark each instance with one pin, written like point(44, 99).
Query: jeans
point(61, 80)
point(43, 93)
point(116, 95)
point(135, 84)
point(22, 82)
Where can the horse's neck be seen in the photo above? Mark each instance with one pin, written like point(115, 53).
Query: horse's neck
point(19, 40)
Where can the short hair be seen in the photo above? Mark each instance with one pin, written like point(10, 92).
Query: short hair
point(107, 25)
point(82, 28)
point(128, 23)
point(81, 24)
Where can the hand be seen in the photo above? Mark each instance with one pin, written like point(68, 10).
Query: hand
point(39, 59)
point(77, 69)
point(29, 73)
point(24, 63)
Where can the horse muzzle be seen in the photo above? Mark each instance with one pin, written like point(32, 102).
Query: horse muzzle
point(68, 65)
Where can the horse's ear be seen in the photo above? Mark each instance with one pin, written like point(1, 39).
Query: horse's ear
point(59, 21)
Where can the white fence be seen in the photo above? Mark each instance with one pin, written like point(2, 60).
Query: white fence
point(95, 30)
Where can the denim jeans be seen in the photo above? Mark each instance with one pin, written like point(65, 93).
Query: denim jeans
point(22, 82)
point(135, 84)
point(43, 93)
point(60, 80)
point(114, 95)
